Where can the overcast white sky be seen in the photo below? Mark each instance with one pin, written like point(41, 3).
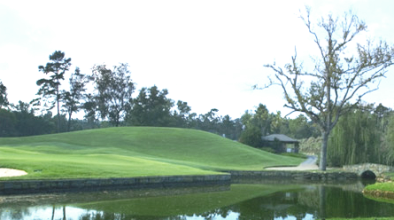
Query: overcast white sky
point(207, 53)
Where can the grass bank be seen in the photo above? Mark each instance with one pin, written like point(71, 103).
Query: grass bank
point(131, 152)
point(381, 190)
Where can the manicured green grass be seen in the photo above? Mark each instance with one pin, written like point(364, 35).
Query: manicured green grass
point(131, 152)
point(388, 187)
point(381, 192)
point(382, 187)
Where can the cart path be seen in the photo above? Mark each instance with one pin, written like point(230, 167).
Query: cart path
point(308, 164)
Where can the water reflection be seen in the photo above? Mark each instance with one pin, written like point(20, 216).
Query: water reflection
point(243, 202)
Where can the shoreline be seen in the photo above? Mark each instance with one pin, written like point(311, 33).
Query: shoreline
point(15, 187)
point(287, 174)
point(379, 194)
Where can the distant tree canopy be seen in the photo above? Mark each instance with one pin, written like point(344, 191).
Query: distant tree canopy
point(3, 95)
point(110, 100)
point(113, 90)
point(22, 122)
point(7, 123)
point(74, 97)
point(209, 121)
point(301, 128)
point(151, 107)
point(256, 126)
point(183, 117)
point(263, 123)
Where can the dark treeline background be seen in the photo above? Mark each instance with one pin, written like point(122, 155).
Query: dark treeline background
point(365, 135)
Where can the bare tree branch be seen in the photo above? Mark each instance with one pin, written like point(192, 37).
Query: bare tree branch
point(341, 76)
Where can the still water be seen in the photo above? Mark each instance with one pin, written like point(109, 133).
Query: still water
point(240, 201)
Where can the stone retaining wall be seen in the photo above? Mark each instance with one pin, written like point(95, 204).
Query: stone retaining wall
point(78, 185)
point(74, 185)
point(294, 176)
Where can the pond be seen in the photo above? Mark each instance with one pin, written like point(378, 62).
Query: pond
point(238, 201)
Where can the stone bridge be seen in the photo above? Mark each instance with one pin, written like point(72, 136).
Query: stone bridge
point(368, 170)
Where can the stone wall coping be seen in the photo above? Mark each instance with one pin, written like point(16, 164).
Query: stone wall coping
point(183, 177)
point(73, 185)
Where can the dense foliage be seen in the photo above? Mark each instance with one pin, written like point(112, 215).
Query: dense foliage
point(3, 95)
point(355, 139)
point(362, 136)
point(263, 123)
point(112, 94)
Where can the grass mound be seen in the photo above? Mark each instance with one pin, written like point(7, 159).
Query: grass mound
point(131, 152)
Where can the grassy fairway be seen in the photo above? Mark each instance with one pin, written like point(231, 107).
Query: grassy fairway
point(130, 152)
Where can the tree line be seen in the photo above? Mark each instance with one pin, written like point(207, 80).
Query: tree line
point(105, 98)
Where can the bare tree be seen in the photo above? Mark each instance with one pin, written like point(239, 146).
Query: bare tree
point(343, 72)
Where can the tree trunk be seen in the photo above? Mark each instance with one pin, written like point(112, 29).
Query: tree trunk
point(69, 121)
point(323, 152)
point(53, 212)
point(117, 119)
point(58, 109)
point(64, 213)
point(322, 201)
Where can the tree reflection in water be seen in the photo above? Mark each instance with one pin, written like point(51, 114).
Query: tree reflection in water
point(311, 202)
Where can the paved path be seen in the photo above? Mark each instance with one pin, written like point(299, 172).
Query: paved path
point(311, 160)
point(308, 164)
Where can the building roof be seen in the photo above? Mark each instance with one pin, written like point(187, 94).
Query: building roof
point(280, 137)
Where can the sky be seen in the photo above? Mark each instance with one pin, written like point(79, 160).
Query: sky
point(208, 53)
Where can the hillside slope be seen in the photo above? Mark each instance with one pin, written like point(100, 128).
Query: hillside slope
point(132, 151)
